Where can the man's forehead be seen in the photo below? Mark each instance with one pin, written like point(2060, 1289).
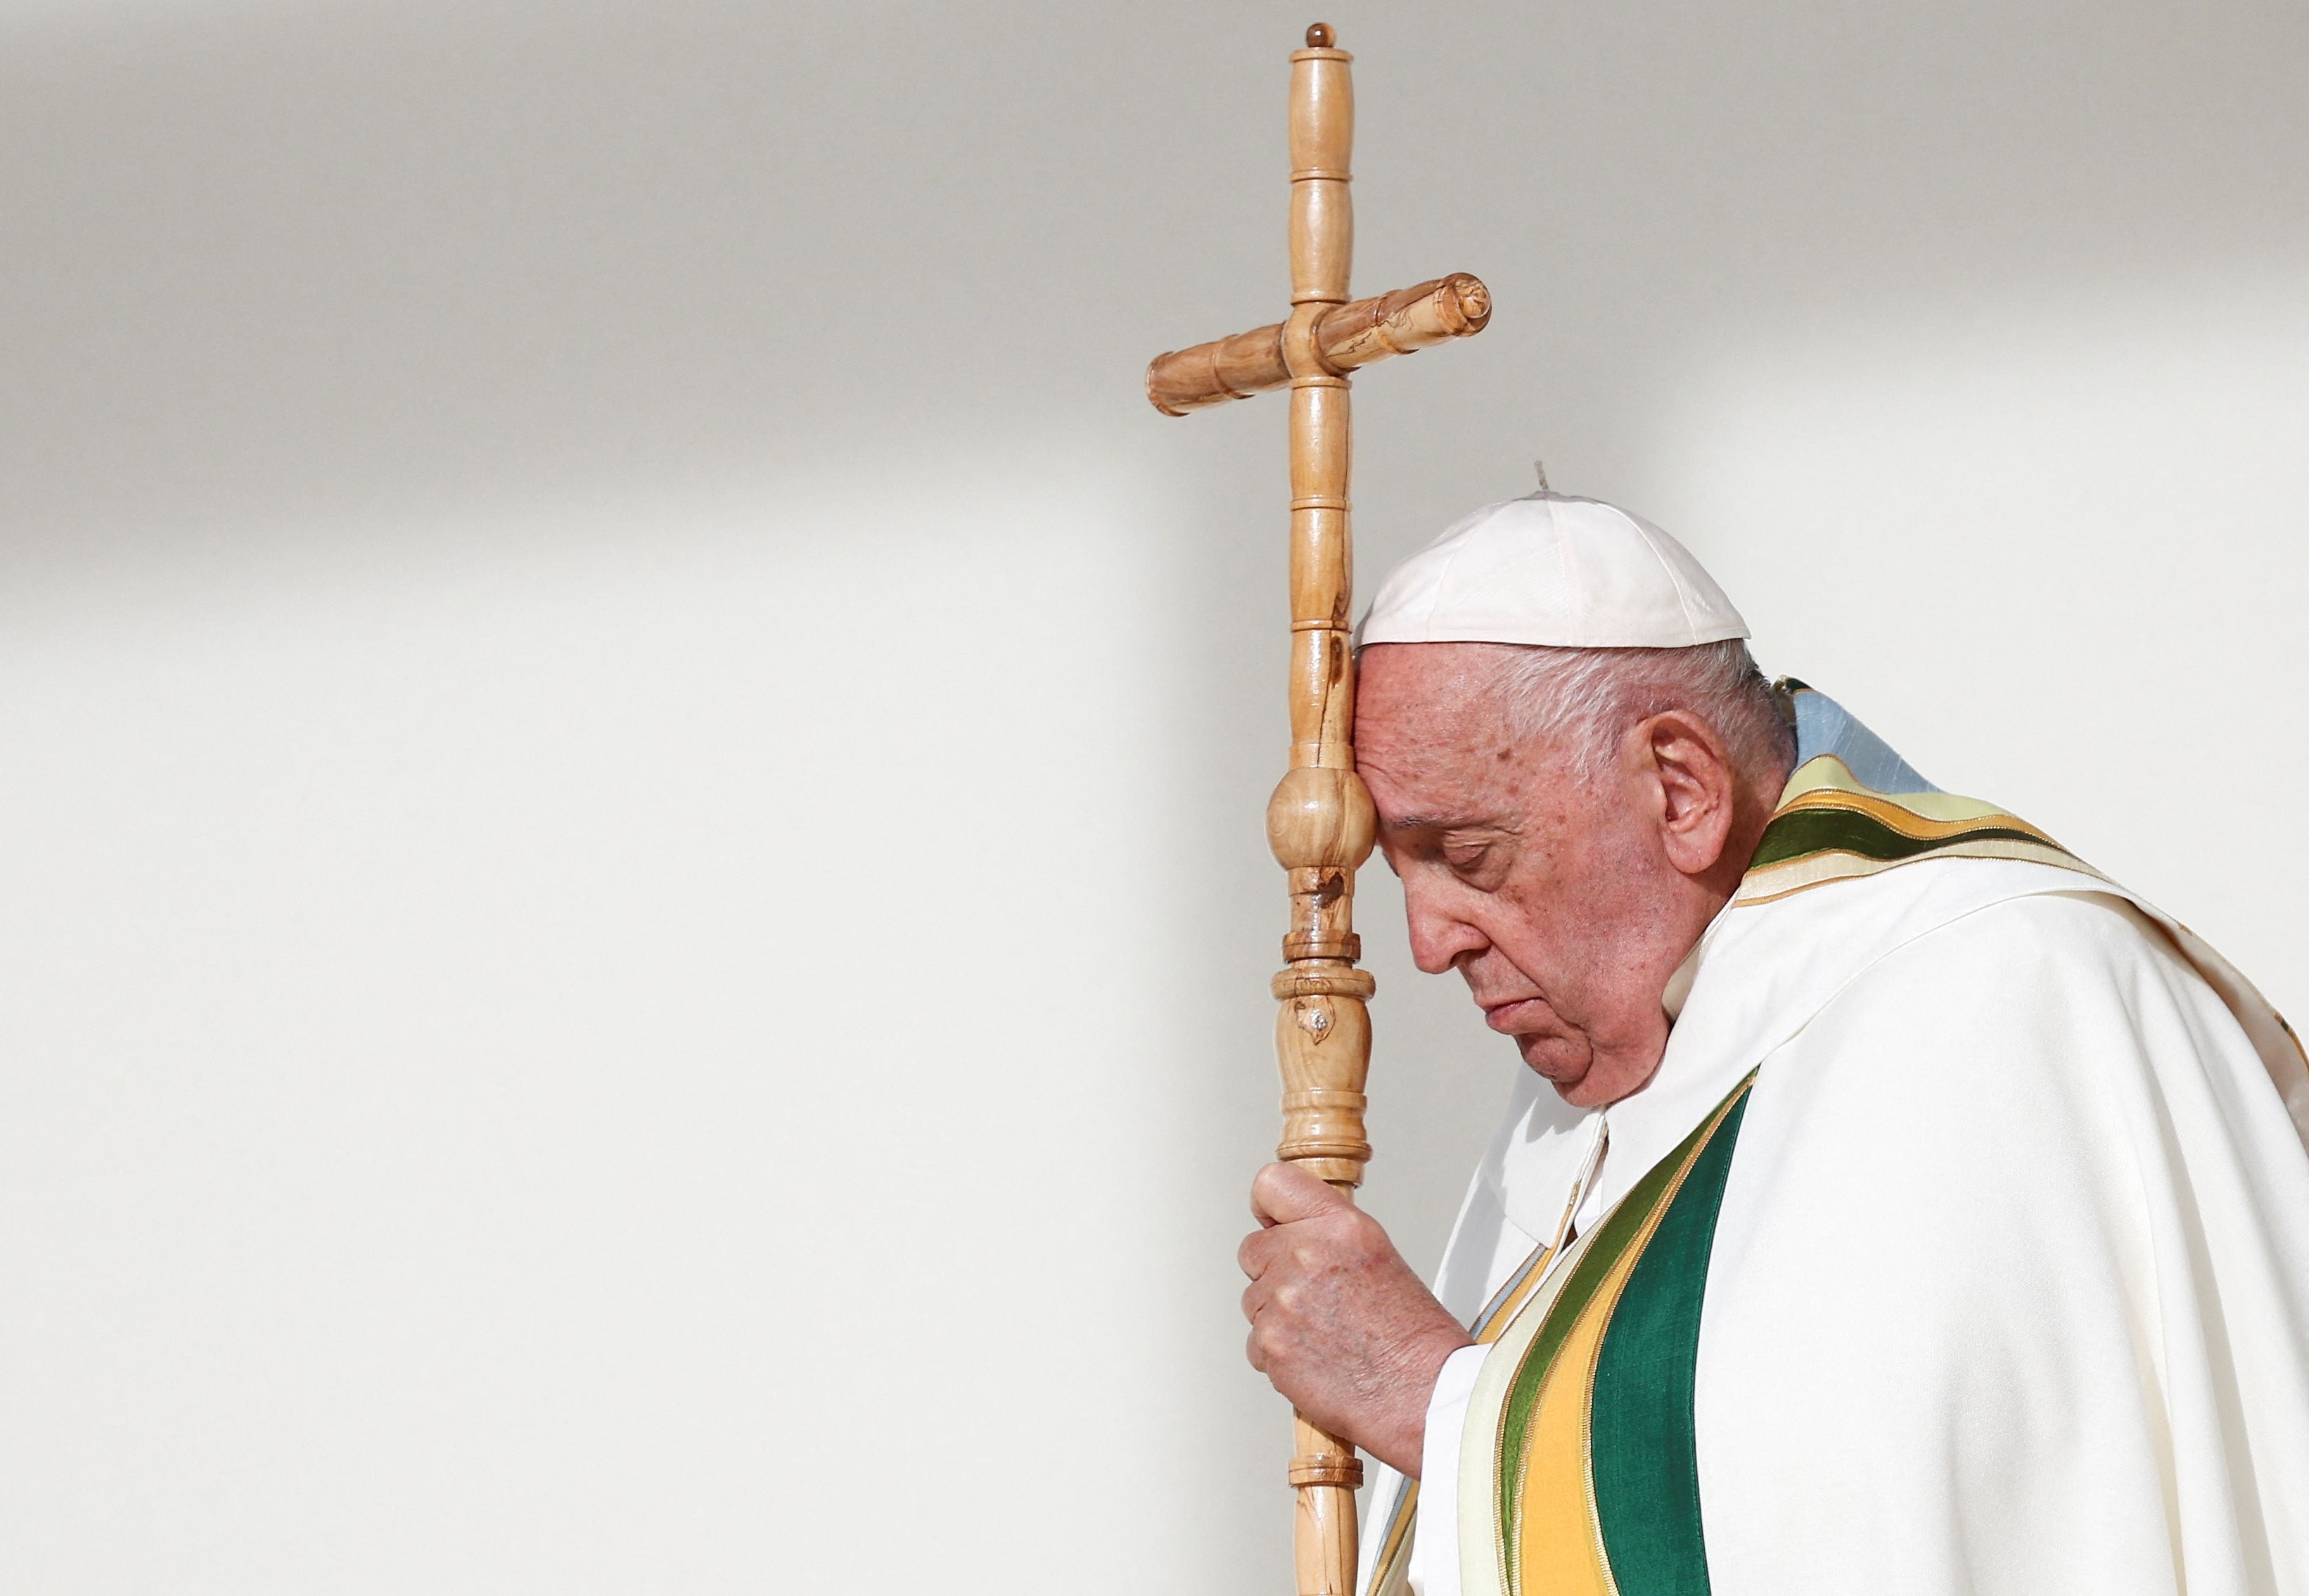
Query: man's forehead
point(1430, 699)
point(1432, 663)
point(1432, 741)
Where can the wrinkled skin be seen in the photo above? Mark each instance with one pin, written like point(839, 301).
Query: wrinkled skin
point(1565, 905)
point(1338, 1320)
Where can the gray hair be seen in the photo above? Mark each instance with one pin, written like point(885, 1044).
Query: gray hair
point(1588, 697)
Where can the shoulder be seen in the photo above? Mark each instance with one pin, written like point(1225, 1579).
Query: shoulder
point(2079, 929)
point(1988, 1096)
point(2039, 1089)
point(2030, 990)
point(2077, 933)
point(2057, 1052)
point(1980, 1081)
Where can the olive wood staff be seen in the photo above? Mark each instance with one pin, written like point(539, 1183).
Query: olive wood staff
point(1319, 823)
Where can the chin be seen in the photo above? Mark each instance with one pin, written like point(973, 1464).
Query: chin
point(1561, 1060)
point(1570, 1065)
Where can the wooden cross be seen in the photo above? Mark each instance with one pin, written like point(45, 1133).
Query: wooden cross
point(1320, 822)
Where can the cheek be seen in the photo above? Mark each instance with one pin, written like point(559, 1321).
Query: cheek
point(1562, 926)
point(1539, 931)
point(1606, 859)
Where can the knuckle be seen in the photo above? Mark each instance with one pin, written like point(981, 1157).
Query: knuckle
point(1263, 1184)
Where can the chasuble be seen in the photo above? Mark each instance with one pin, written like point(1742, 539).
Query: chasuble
point(1960, 1243)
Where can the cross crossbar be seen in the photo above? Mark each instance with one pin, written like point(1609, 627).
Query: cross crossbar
point(1346, 338)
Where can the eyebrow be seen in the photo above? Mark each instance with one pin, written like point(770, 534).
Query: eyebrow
point(1436, 822)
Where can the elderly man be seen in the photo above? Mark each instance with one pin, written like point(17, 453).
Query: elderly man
point(1890, 1202)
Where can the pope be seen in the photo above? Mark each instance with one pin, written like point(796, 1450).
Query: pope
point(1889, 1201)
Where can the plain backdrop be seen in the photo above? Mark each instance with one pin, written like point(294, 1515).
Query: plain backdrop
point(633, 918)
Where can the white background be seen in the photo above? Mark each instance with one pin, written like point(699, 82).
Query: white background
point(633, 921)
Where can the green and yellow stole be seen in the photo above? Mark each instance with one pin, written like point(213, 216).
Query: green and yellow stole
point(1829, 827)
point(1592, 1476)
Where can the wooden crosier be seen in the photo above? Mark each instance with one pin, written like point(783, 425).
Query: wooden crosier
point(1319, 823)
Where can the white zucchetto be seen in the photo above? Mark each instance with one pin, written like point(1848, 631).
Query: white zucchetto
point(1549, 569)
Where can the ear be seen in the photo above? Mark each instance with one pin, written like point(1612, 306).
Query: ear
point(1696, 787)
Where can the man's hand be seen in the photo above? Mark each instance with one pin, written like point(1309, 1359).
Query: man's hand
point(1337, 1320)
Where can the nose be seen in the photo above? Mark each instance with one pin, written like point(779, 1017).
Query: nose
point(1439, 934)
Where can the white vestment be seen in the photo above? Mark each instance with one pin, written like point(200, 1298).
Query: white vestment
point(2008, 1289)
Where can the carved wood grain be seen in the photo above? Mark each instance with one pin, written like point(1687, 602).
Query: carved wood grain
point(1319, 823)
point(1347, 337)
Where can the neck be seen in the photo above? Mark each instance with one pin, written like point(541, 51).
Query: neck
point(1749, 817)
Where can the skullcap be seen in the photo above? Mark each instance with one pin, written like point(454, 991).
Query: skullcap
point(1551, 568)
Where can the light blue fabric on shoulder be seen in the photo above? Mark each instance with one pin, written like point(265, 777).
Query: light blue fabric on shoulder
point(1824, 726)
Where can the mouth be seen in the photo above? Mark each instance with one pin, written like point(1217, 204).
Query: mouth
point(1518, 1015)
